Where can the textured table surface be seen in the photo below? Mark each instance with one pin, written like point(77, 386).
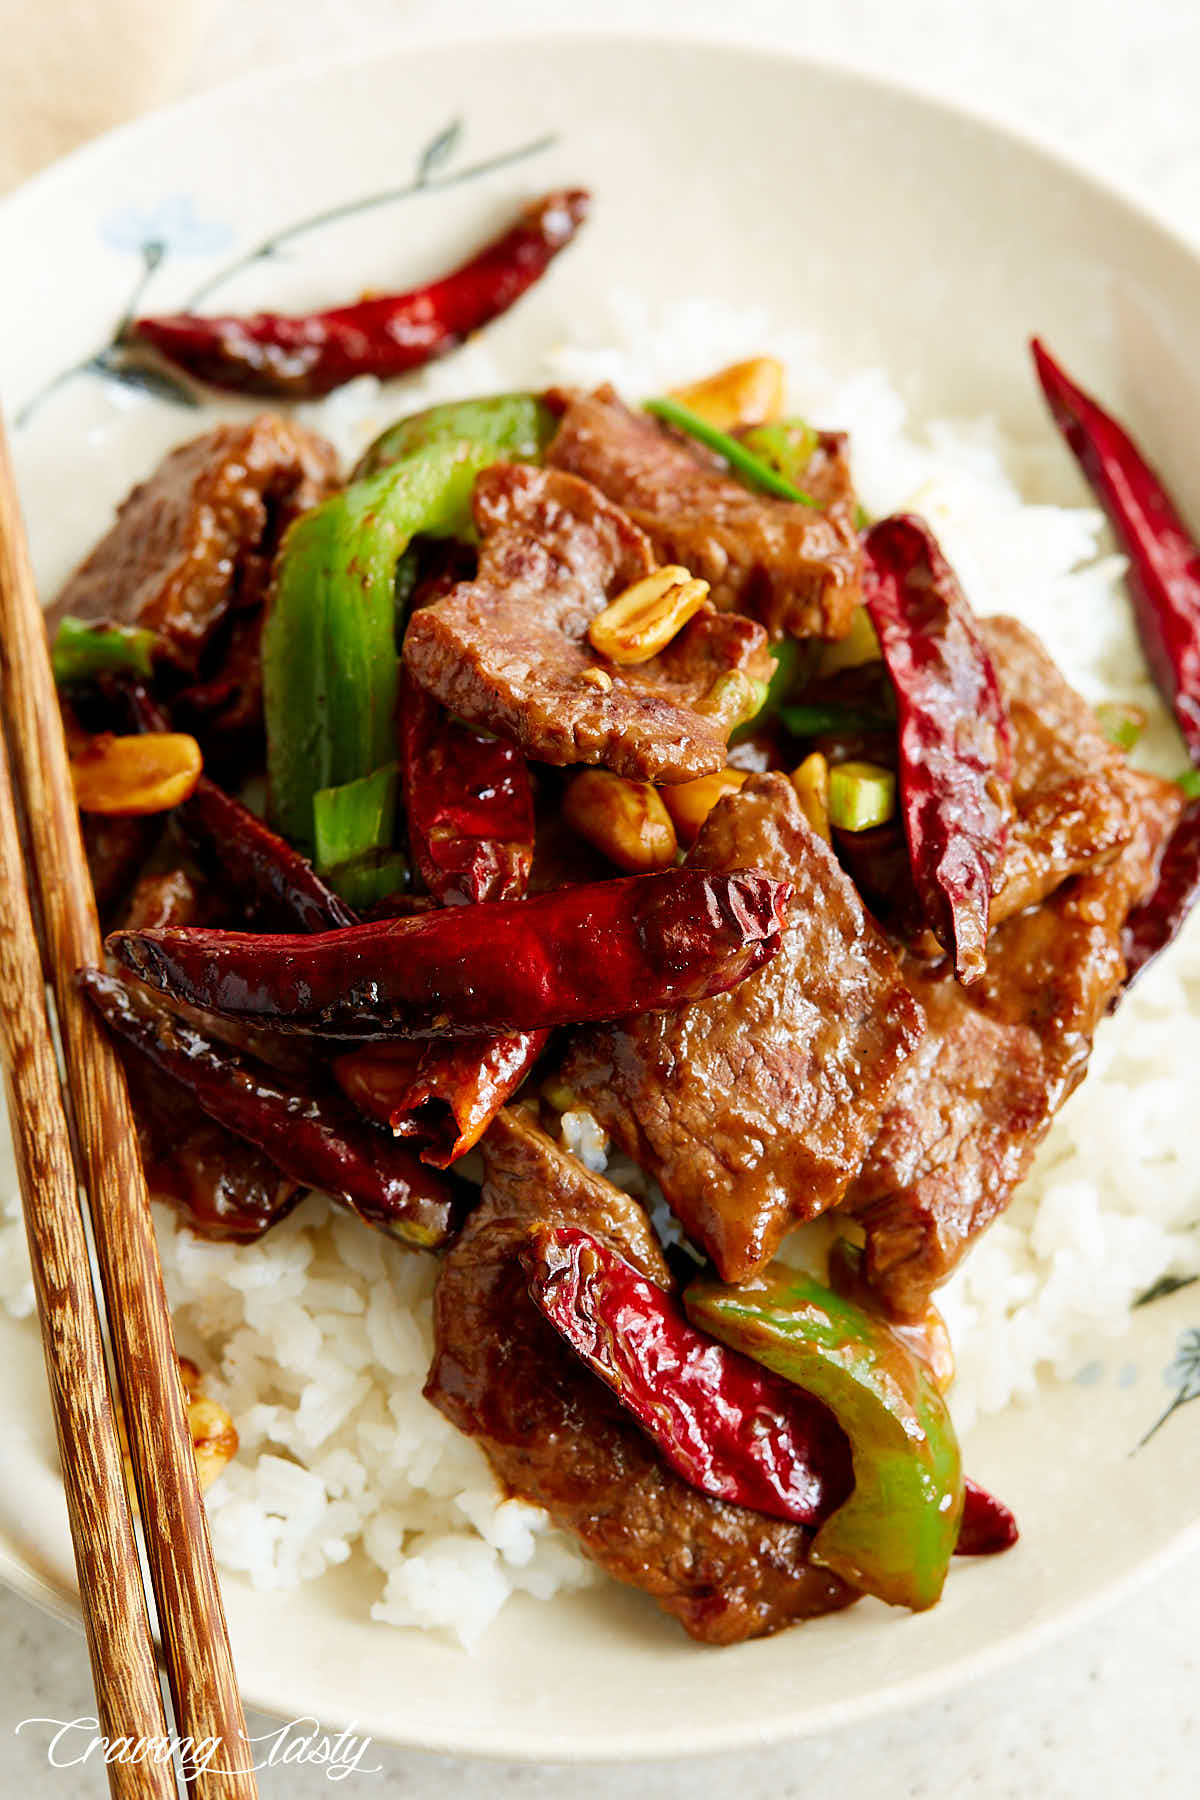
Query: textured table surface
point(1114, 1707)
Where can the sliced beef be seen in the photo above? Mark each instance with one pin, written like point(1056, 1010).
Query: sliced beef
point(998, 1060)
point(509, 650)
point(556, 1437)
point(1076, 802)
point(795, 567)
point(196, 539)
point(753, 1110)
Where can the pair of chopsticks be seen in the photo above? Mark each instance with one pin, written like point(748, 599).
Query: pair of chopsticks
point(83, 1138)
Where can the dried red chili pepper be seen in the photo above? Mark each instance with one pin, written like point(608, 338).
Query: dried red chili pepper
point(987, 1527)
point(304, 356)
point(442, 1096)
point(313, 1137)
point(1164, 560)
point(1156, 922)
point(1164, 583)
point(955, 739)
point(728, 1426)
point(598, 951)
point(468, 801)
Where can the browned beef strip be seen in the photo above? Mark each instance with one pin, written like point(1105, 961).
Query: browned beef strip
point(556, 1437)
point(795, 567)
point(998, 1060)
point(509, 650)
point(224, 1187)
point(753, 1111)
point(1076, 803)
point(194, 540)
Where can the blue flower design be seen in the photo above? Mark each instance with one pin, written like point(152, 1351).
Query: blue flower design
point(1183, 1374)
point(170, 225)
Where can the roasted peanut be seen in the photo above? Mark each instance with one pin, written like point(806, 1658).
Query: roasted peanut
point(811, 782)
point(214, 1435)
point(642, 621)
point(690, 802)
point(125, 775)
point(625, 820)
point(746, 393)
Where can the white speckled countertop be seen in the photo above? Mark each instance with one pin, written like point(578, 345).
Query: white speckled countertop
point(1114, 1708)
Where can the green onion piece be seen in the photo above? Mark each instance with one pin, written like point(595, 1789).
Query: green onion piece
point(861, 795)
point(743, 462)
point(81, 651)
point(791, 659)
point(786, 445)
point(355, 820)
point(1121, 724)
point(1189, 781)
point(369, 878)
point(813, 721)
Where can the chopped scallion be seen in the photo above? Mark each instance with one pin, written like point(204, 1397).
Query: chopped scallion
point(82, 650)
point(743, 462)
point(1121, 723)
point(861, 795)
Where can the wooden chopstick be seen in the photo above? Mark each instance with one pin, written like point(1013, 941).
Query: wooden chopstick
point(191, 1618)
point(128, 1697)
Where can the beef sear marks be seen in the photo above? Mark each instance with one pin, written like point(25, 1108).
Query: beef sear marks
point(509, 650)
point(997, 1061)
point(753, 1111)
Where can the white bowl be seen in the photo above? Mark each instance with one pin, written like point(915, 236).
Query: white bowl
point(904, 233)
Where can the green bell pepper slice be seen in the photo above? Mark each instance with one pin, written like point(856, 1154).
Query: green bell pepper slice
point(330, 667)
point(517, 426)
point(895, 1535)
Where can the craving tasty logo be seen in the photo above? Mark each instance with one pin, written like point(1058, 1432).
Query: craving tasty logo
point(79, 1741)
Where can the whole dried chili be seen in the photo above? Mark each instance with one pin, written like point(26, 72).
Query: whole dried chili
point(1164, 559)
point(313, 1137)
point(595, 951)
point(305, 356)
point(1164, 583)
point(468, 802)
point(730, 1428)
point(955, 738)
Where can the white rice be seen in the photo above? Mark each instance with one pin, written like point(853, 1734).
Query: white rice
point(318, 1338)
